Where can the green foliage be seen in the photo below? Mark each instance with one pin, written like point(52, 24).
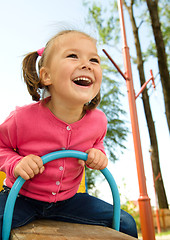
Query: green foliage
point(130, 207)
point(90, 179)
point(164, 15)
point(111, 106)
point(106, 22)
point(104, 31)
point(104, 19)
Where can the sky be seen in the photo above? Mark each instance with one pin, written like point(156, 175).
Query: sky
point(26, 26)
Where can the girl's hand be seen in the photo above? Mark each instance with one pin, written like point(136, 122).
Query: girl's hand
point(29, 166)
point(96, 159)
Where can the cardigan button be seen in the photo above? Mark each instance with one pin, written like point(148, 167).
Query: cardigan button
point(58, 183)
point(68, 128)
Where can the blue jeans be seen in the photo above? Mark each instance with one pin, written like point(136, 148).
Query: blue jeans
point(81, 208)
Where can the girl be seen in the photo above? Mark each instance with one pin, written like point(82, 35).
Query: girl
point(69, 69)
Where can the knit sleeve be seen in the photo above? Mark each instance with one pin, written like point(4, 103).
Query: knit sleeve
point(102, 123)
point(8, 146)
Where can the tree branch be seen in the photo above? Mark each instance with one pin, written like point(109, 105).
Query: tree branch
point(132, 2)
point(140, 24)
point(125, 4)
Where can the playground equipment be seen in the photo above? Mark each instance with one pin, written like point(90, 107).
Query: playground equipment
point(146, 219)
point(8, 212)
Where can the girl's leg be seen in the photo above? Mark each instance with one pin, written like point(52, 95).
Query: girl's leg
point(23, 211)
point(128, 224)
point(83, 208)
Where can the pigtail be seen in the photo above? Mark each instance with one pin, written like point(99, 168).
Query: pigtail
point(93, 103)
point(30, 75)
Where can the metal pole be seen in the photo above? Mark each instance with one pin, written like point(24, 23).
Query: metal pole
point(146, 218)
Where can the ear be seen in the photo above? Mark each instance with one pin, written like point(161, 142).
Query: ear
point(45, 76)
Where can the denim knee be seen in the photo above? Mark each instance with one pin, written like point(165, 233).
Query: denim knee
point(128, 224)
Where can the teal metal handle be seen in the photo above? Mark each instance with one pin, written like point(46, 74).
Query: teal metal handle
point(9, 207)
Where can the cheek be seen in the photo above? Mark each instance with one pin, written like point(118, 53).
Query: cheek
point(66, 72)
point(99, 76)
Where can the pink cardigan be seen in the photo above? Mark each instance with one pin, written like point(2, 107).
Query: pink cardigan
point(33, 129)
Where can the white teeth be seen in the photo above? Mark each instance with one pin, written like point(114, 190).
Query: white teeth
point(82, 78)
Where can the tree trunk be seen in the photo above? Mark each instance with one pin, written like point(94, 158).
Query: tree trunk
point(162, 199)
point(161, 54)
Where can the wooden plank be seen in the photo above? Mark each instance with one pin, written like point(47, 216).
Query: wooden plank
point(50, 230)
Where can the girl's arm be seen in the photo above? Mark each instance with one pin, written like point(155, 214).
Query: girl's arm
point(11, 162)
point(97, 158)
point(8, 147)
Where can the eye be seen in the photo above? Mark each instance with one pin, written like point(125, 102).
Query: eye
point(72, 56)
point(95, 60)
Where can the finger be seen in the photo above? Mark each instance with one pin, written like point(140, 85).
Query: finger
point(33, 167)
point(92, 161)
point(103, 164)
point(36, 164)
point(92, 165)
point(29, 171)
point(81, 162)
point(96, 159)
point(38, 161)
point(42, 169)
point(91, 153)
point(24, 174)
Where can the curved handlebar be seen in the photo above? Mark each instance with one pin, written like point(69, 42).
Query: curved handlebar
point(9, 207)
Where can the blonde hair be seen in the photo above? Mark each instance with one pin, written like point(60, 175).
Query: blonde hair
point(31, 77)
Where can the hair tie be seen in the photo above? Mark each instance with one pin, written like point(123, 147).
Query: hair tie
point(40, 51)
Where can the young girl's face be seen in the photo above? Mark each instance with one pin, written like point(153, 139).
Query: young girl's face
point(73, 72)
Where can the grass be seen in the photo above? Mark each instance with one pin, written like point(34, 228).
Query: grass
point(163, 233)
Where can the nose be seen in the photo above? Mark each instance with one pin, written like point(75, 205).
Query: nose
point(86, 65)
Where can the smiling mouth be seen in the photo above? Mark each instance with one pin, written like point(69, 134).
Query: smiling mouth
point(82, 81)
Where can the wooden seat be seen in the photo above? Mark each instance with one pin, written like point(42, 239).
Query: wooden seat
point(50, 230)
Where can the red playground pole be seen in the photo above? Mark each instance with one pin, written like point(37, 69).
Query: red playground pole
point(146, 218)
